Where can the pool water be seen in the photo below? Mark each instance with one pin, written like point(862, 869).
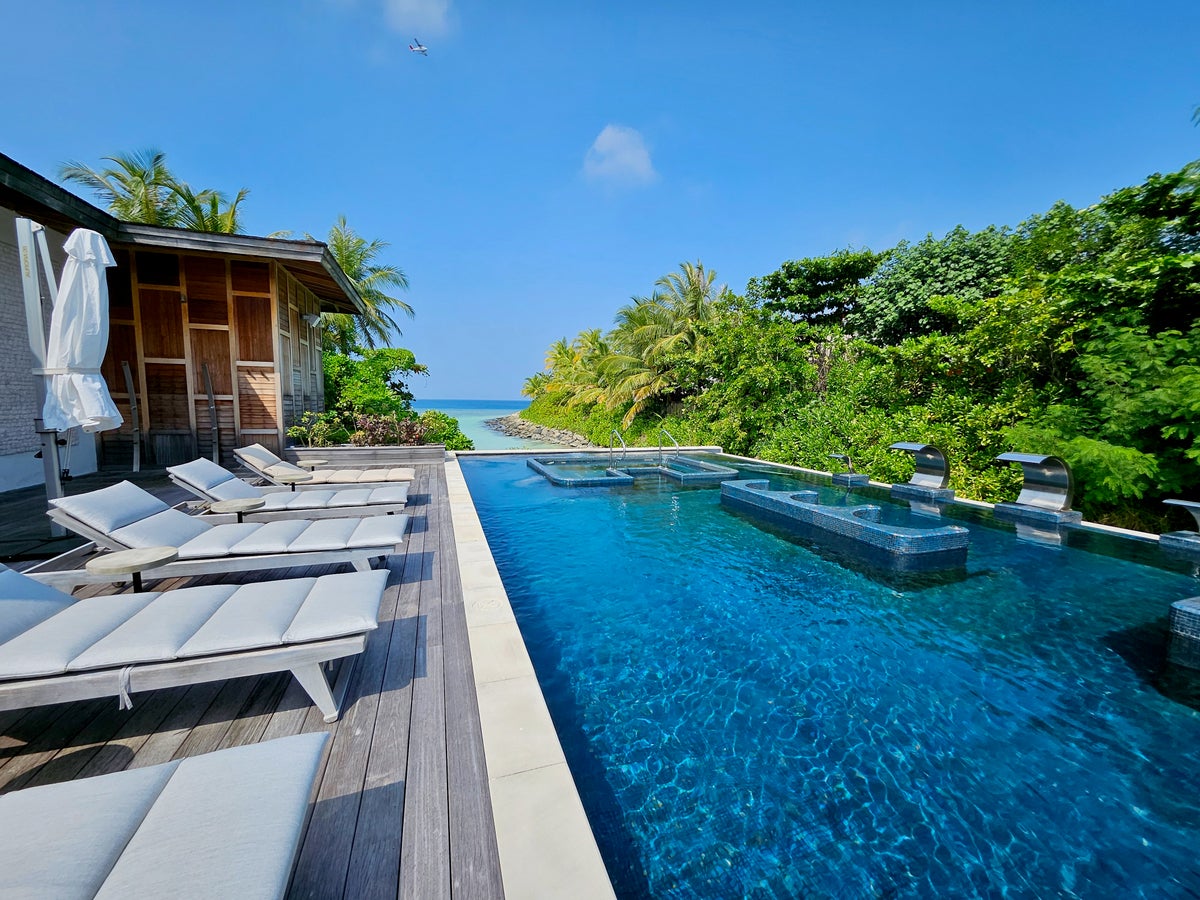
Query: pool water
point(749, 715)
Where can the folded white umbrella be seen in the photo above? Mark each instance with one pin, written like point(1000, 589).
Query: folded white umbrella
point(76, 394)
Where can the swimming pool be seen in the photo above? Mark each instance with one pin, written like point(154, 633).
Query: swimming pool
point(747, 713)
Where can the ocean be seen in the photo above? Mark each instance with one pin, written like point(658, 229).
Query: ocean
point(471, 415)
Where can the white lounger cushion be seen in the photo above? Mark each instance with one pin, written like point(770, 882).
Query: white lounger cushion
point(171, 527)
point(113, 507)
point(218, 483)
point(361, 476)
point(25, 602)
point(214, 480)
point(266, 463)
point(125, 629)
point(113, 511)
point(225, 824)
point(392, 494)
point(72, 834)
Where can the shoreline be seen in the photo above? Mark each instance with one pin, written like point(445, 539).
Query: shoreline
point(514, 426)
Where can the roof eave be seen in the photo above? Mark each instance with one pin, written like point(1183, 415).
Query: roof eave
point(311, 253)
point(33, 195)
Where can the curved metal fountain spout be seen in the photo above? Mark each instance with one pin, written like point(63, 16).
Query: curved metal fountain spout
point(661, 432)
point(842, 457)
point(616, 434)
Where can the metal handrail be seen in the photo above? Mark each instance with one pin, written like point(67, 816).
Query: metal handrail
point(661, 432)
point(616, 434)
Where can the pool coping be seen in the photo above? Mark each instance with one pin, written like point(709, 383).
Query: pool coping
point(546, 844)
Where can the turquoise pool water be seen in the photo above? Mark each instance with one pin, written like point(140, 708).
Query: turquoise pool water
point(749, 715)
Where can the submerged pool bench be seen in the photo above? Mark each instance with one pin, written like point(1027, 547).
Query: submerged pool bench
point(946, 544)
point(225, 824)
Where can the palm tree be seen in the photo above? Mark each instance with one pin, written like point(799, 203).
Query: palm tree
point(634, 372)
point(690, 295)
point(632, 364)
point(137, 188)
point(208, 210)
point(535, 385)
point(355, 254)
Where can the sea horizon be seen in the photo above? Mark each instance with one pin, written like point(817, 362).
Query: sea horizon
point(469, 403)
point(472, 415)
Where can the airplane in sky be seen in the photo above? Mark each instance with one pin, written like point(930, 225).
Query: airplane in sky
point(419, 47)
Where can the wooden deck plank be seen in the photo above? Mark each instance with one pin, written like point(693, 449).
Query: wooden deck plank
point(474, 855)
point(102, 737)
point(375, 857)
point(162, 746)
point(324, 866)
point(425, 851)
point(47, 734)
point(324, 861)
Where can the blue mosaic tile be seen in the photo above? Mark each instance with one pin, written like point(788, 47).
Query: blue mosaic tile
point(1022, 512)
point(915, 492)
point(848, 480)
point(857, 523)
point(1186, 543)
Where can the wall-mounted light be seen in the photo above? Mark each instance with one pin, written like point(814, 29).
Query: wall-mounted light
point(313, 319)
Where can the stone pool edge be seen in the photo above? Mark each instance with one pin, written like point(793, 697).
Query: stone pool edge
point(545, 841)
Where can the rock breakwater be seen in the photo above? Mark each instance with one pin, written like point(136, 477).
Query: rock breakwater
point(515, 426)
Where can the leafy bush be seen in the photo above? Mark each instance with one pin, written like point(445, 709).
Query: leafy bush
point(371, 384)
point(443, 429)
point(379, 431)
point(319, 430)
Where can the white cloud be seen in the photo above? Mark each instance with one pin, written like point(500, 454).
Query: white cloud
point(417, 18)
point(619, 156)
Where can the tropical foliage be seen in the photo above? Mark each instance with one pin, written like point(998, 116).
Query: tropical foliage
point(633, 366)
point(1073, 333)
point(356, 256)
point(368, 403)
point(139, 187)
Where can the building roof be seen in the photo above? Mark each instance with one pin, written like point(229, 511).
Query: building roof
point(31, 195)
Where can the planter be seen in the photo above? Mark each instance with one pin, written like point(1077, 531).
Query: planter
point(348, 457)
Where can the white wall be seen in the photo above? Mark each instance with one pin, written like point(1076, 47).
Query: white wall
point(18, 440)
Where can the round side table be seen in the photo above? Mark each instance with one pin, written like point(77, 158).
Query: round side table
point(292, 478)
point(132, 562)
point(311, 463)
point(240, 506)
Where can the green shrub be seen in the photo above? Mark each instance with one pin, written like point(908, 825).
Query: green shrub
point(443, 429)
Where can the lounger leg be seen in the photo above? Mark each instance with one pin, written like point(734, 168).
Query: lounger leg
point(312, 679)
point(363, 565)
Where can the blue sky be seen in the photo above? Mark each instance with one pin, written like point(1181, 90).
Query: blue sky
point(549, 160)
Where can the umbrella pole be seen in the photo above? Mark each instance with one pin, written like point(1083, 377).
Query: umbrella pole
point(31, 238)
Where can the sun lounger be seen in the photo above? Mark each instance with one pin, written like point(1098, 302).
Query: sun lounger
point(224, 824)
point(209, 481)
point(262, 462)
point(124, 516)
point(55, 647)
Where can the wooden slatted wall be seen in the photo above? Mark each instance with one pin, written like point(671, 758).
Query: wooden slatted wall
point(172, 314)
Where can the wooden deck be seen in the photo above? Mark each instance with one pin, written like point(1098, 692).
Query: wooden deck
point(402, 806)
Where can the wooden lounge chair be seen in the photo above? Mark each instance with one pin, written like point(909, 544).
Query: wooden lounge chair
point(55, 647)
point(212, 482)
point(224, 824)
point(265, 464)
point(124, 516)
